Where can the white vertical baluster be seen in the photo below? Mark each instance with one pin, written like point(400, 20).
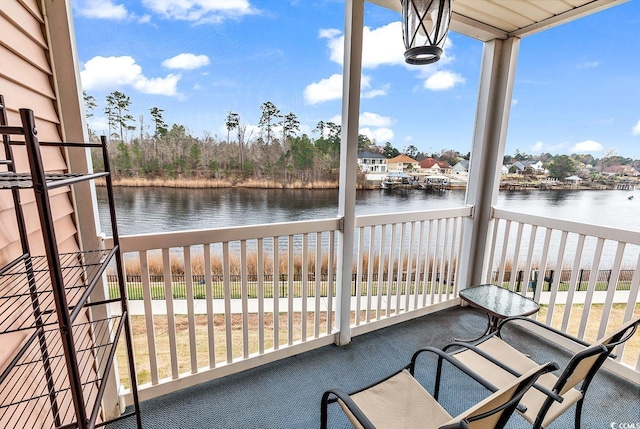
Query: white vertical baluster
point(276, 293)
point(575, 269)
point(516, 259)
point(209, 298)
point(558, 275)
point(372, 237)
point(392, 242)
point(188, 280)
point(452, 260)
point(409, 279)
point(148, 315)
point(403, 227)
point(260, 296)
point(358, 286)
point(318, 285)
point(503, 257)
point(611, 289)
point(245, 298)
point(171, 323)
point(593, 279)
point(529, 262)
point(290, 291)
point(330, 283)
point(381, 252)
point(305, 284)
point(419, 261)
point(226, 280)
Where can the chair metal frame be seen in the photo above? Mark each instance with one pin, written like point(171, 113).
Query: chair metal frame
point(507, 409)
point(603, 350)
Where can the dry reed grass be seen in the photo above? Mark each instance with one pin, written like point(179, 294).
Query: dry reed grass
point(632, 348)
point(156, 266)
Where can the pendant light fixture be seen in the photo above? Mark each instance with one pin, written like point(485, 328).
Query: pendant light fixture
point(424, 29)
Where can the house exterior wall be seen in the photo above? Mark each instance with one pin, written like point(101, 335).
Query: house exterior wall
point(28, 80)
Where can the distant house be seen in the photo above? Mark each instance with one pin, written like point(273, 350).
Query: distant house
point(370, 162)
point(504, 170)
point(522, 166)
point(620, 170)
point(461, 167)
point(433, 166)
point(402, 164)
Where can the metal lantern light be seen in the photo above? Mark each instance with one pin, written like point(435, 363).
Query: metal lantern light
point(424, 29)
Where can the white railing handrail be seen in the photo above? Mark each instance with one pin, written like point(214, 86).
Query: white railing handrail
point(412, 216)
point(151, 241)
point(599, 231)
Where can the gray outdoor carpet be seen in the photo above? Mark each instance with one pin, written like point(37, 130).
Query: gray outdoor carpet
point(286, 394)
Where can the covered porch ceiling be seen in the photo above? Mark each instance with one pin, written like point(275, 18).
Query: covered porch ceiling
point(500, 19)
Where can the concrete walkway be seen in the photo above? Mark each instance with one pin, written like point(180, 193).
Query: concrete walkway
point(159, 307)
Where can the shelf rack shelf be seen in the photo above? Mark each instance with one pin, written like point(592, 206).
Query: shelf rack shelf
point(56, 357)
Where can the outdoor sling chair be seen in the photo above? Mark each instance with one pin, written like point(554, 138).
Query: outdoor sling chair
point(500, 363)
point(400, 401)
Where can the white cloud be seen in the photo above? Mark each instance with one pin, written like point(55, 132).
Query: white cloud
point(201, 11)
point(636, 129)
point(113, 72)
point(331, 89)
point(102, 9)
point(186, 61)
point(382, 134)
point(374, 120)
point(380, 46)
point(324, 90)
point(408, 138)
point(587, 146)
point(442, 80)
point(514, 102)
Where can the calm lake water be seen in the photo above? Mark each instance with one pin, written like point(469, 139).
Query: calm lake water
point(150, 209)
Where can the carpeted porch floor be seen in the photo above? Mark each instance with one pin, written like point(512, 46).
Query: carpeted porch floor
point(286, 394)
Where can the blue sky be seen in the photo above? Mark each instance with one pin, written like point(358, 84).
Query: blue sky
point(577, 86)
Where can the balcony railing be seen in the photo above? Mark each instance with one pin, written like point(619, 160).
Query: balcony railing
point(226, 314)
point(592, 273)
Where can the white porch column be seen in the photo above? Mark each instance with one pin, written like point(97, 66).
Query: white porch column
point(64, 61)
point(352, 68)
point(497, 76)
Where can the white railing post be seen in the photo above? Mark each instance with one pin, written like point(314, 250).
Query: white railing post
point(494, 101)
point(352, 69)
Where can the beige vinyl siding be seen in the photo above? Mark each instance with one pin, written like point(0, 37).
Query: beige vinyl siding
point(26, 81)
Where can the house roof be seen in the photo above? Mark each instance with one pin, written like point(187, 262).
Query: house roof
point(371, 155)
point(494, 19)
point(620, 169)
point(404, 159)
point(430, 162)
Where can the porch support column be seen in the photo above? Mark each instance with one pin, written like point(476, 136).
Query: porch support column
point(60, 33)
point(352, 69)
point(497, 76)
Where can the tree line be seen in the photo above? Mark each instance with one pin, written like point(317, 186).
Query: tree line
point(277, 152)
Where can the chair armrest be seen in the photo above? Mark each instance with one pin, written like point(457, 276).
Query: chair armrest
point(348, 402)
point(541, 325)
point(502, 365)
point(442, 355)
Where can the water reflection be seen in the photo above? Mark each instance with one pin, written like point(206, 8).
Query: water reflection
point(144, 210)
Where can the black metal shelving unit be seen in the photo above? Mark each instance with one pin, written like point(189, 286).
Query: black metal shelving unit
point(55, 375)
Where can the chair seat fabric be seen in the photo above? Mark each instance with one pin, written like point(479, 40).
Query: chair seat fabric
point(533, 399)
point(398, 402)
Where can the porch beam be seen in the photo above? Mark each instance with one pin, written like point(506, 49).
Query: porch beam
point(352, 70)
point(497, 76)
